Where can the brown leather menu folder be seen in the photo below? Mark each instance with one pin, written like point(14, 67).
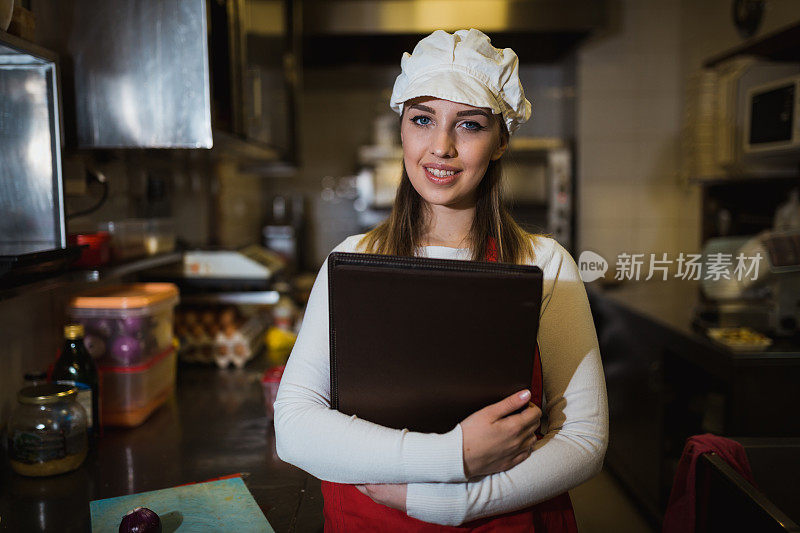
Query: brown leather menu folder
point(422, 343)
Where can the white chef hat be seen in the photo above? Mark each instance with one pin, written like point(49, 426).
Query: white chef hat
point(463, 67)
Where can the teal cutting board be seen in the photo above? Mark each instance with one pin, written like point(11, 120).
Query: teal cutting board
point(223, 505)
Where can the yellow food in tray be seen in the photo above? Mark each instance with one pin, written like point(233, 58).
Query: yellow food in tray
point(740, 339)
point(279, 344)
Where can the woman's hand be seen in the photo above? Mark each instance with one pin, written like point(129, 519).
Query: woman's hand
point(494, 440)
point(389, 494)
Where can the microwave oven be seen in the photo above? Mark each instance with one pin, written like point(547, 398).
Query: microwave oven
point(722, 116)
point(772, 120)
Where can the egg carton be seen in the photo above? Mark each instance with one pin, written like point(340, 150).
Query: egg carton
point(225, 349)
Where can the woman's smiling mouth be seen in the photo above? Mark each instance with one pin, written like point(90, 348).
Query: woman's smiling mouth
point(441, 176)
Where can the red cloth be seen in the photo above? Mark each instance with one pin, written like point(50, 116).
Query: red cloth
point(347, 510)
point(680, 514)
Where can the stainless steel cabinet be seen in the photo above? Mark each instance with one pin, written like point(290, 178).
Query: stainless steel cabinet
point(667, 381)
point(632, 349)
point(136, 71)
point(30, 150)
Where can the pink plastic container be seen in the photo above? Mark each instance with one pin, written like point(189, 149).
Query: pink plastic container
point(130, 394)
point(126, 325)
point(271, 381)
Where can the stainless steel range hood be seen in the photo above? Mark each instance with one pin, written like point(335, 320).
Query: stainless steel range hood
point(337, 32)
point(386, 17)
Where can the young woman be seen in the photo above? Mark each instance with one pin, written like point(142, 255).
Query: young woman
point(459, 99)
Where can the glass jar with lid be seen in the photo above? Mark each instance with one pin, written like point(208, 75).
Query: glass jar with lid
point(47, 431)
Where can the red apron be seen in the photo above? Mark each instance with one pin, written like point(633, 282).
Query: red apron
point(347, 510)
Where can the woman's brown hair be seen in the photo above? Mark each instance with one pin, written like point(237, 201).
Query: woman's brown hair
point(401, 233)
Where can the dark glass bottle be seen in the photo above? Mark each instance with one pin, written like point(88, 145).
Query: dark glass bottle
point(76, 366)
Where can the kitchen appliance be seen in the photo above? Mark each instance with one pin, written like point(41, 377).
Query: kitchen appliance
point(772, 120)
point(720, 114)
point(284, 231)
point(32, 234)
point(539, 175)
point(337, 32)
point(138, 71)
point(768, 299)
point(740, 81)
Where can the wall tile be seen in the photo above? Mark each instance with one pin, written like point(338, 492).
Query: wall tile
point(607, 117)
point(607, 160)
point(658, 158)
point(657, 116)
point(658, 201)
point(657, 74)
point(607, 202)
point(654, 26)
point(611, 76)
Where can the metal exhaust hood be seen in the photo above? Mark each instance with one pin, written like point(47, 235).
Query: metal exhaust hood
point(379, 31)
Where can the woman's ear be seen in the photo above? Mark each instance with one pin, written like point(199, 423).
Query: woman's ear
point(501, 148)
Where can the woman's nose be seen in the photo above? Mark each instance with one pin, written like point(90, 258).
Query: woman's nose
point(443, 144)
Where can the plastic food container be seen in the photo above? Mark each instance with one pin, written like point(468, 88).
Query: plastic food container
point(98, 252)
point(137, 237)
point(126, 325)
point(271, 381)
point(130, 394)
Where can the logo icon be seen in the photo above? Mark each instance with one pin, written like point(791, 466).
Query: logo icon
point(591, 266)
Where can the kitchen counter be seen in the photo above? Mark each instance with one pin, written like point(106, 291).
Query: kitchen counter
point(673, 305)
point(667, 380)
point(650, 326)
point(214, 425)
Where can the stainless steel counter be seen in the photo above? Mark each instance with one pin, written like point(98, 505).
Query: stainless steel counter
point(667, 381)
point(673, 305)
point(213, 425)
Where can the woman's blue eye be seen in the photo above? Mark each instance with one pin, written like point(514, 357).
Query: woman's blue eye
point(472, 125)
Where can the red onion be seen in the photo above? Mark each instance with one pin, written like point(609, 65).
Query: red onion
point(105, 327)
point(140, 520)
point(126, 349)
point(133, 324)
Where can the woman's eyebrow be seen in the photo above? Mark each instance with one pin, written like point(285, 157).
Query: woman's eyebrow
point(465, 113)
point(473, 112)
point(424, 108)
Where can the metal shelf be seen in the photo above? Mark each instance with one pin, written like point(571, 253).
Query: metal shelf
point(233, 298)
point(89, 276)
point(780, 45)
point(536, 144)
point(739, 178)
point(132, 267)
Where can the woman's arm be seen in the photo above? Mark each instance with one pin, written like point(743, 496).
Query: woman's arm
point(345, 449)
point(573, 448)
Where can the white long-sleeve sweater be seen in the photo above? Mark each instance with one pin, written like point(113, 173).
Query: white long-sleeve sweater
point(345, 449)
